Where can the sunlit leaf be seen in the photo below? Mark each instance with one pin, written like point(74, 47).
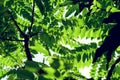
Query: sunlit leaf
point(82, 32)
point(84, 11)
point(40, 49)
point(66, 3)
point(99, 5)
point(114, 9)
point(61, 30)
point(108, 8)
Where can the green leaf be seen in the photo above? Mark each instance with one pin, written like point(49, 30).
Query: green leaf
point(114, 9)
point(99, 4)
point(3, 11)
point(43, 78)
point(84, 11)
point(34, 51)
point(40, 49)
point(25, 14)
point(11, 77)
point(76, 32)
point(57, 73)
point(45, 38)
point(24, 74)
point(82, 33)
point(41, 6)
point(85, 56)
point(81, 22)
point(66, 3)
point(71, 10)
point(50, 71)
point(8, 3)
point(87, 34)
point(108, 8)
point(32, 66)
point(77, 10)
point(1, 2)
point(55, 63)
point(78, 57)
point(93, 45)
point(117, 69)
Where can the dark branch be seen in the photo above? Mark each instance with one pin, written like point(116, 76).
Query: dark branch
point(18, 28)
point(112, 68)
point(27, 49)
point(26, 37)
point(32, 21)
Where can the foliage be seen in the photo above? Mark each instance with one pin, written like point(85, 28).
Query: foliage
point(66, 32)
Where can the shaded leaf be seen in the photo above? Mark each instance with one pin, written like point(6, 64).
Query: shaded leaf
point(24, 74)
point(32, 66)
point(78, 57)
point(41, 6)
point(71, 10)
point(85, 56)
point(55, 64)
point(57, 73)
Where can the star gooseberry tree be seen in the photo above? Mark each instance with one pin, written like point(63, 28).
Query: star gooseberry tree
point(66, 32)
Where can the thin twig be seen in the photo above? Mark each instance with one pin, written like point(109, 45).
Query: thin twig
point(112, 68)
point(32, 21)
point(18, 28)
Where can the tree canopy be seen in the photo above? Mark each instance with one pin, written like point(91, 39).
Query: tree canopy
point(67, 33)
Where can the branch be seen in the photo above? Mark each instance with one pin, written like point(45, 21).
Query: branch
point(32, 21)
point(18, 28)
point(27, 49)
point(112, 68)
